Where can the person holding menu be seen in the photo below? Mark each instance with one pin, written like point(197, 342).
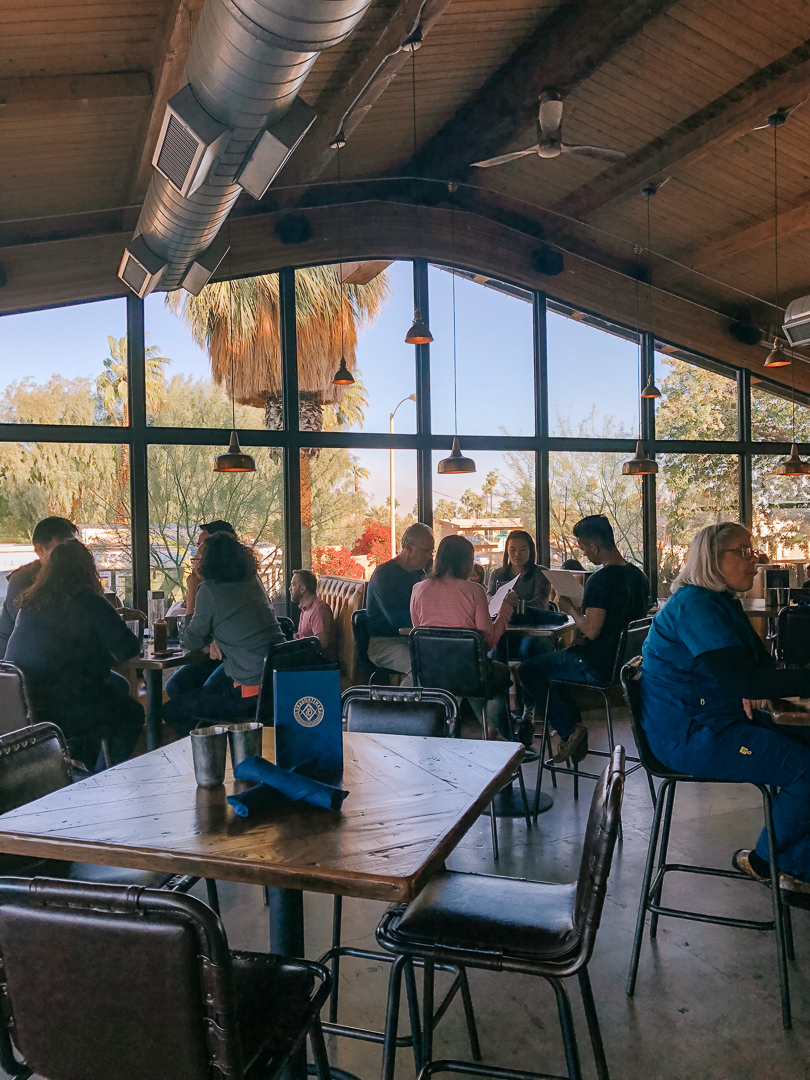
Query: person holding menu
point(614, 596)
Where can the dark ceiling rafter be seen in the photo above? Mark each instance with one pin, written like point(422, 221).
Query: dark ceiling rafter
point(375, 72)
point(72, 95)
point(564, 50)
point(785, 82)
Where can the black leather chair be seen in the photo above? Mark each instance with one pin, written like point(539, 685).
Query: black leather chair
point(361, 640)
point(287, 626)
point(456, 660)
point(395, 710)
point(629, 646)
point(16, 710)
point(652, 886)
point(102, 981)
point(299, 653)
point(35, 762)
point(793, 636)
point(509, 924)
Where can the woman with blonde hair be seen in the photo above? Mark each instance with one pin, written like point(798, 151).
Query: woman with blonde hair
point(705, 684)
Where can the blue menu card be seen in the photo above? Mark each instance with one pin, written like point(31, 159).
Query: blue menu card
point(308, 725)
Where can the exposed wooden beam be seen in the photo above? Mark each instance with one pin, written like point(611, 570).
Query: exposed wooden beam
point(63, 95)
point(785, 82)
point(181, 18)
point(741, 242)
point(379, 67)
point(565, 49)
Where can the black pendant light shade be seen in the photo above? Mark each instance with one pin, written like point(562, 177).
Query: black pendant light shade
point(651, 390)
point(792, 465)
point(419, 334)
point(234, 460)
point(456, 463)
point(640, 464)
point(343, 377)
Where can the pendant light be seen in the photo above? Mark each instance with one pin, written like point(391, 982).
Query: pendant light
point(342, 377)
point(639, 464)
point(233, 460)
point(456, 463)
point(777, 357)
point(792, 465)
point(419, 333)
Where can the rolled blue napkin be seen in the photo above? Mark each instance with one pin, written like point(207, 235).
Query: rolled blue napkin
point(274, 786)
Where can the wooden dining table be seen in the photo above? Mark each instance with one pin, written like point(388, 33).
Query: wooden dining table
point(411, 802)
point(153, 665)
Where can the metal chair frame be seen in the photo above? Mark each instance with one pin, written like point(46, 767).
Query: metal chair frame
point(547, 763)
point(529, 753)
point(401, 967)
point(553, 971)
point(653, 884)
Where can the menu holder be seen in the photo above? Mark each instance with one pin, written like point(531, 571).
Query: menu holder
point(308, 720)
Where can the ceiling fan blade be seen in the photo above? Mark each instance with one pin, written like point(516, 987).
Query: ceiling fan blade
point(550, 117)
point(504, 158)
point(601, 153)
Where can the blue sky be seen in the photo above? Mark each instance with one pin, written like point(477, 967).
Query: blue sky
point(494, 357)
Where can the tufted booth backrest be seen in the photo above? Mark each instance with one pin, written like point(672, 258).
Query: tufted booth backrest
point(344, 596)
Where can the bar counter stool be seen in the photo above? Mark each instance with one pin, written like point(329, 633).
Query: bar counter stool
point(509, 924)
point(652, 886)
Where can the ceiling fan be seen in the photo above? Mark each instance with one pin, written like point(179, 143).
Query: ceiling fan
point(549, 137)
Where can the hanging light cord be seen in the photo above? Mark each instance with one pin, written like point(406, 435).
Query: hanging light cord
point(230, 324)
point(340, 251)
point(453, 256)
point(776, 274)
point(413, 109)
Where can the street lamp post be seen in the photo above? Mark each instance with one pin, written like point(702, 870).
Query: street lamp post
point(391, 486)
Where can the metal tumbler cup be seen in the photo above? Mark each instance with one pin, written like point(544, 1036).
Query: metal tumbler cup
point(209, 746)
point(245, 741)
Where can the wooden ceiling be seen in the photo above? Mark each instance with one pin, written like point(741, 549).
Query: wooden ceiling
point(677, 85)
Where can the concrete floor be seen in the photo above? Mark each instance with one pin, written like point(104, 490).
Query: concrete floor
point(707, 1000)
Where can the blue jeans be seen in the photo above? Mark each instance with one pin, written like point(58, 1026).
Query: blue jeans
point(217, 699)
point(563, 710)
point(191, 677)
point(758, 753)
point(522, 648)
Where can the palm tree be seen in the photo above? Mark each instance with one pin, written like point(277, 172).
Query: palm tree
point(358, 474)
point(238, 324)
point(113, 385)
point(488, 489)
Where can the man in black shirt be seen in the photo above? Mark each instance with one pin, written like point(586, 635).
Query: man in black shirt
point(614, 596)
point(388, 603)
point(47, 534)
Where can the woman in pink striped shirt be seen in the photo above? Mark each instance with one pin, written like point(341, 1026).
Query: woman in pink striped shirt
point(449, 599)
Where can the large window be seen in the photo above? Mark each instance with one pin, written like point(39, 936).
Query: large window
point(781, 511)
point(696, 403)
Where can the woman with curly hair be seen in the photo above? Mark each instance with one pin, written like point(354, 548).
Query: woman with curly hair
point(66, 639)
point(233, 611)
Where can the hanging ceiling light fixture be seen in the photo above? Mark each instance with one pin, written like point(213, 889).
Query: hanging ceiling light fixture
point(233, 460)
point(639, 464)
point(777, 357)
point(456, 463)
point(419, 333)
point(342, 377)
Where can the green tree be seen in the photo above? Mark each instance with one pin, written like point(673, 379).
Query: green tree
point(488, 489)
point(446, 510)
point(113, 383)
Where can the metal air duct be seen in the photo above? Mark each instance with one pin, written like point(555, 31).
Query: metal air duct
point(247, 62)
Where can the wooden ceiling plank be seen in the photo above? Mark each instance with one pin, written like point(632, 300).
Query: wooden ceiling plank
point(64, 95)
point(564, 50)
point(173, 52)
point(786, 81)
point(375, 73)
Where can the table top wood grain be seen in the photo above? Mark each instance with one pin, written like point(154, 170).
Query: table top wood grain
point(412, 800)
point(171, 658)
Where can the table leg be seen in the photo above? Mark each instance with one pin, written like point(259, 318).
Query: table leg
point(153, 677)
point(286, 910)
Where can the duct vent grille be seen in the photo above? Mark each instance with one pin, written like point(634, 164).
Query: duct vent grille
point(133, 274)
point(178, 153)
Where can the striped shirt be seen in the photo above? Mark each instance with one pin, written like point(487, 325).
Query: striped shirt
point(456, 603)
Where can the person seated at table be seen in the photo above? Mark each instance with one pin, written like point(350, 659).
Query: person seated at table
point(317, 619)
point(66, 639)
point(533, 587)
point(233, 612)
point(705, 683)
point(477, 574)
point(572, 564)
point(449, 599)
point(614, 596)
point(389, 597)
point(47, 534)
point(191, 676)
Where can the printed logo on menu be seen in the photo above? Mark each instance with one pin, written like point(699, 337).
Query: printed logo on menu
point(308, 711)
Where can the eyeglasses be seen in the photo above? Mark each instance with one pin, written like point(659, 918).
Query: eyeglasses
point(743, 552)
